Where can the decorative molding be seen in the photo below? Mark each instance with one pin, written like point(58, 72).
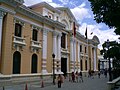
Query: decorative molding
point(13, 3)
point(71, 39)
point(36, 27)
point(7, 10)
point(19, 1)
point(45, 31)
point(59, 35)
point(16, 20)
point(2, 13)
point(31, 14)
point(55, 33)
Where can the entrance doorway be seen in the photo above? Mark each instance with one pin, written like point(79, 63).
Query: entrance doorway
point(64, 66)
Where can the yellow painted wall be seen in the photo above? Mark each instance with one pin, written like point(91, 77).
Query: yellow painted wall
point(7, 45)
point(49, 52)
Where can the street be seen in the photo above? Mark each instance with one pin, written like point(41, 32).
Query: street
point(88, 84)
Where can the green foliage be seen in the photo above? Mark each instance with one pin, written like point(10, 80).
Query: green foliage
point(108, 12)
point(113, 52)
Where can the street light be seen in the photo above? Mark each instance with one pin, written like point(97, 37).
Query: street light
point(108, 45)
point(53, 56)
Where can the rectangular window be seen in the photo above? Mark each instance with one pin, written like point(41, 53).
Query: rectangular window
point(18, 30)
point(80, 48)
point(63, 41)
point(85, 50)
point(81, 66)
point(85, 64)
point(34, 35)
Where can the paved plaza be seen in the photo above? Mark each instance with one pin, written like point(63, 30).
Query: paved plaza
point(88, 84)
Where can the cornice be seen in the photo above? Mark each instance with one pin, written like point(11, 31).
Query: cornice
point(46, 5)
point(20, 1)
point(13, 3)
point(16, 20)
point(30, 13)
point(2, 13)
point(80, 37)
point(36, 27)
point(7, 10)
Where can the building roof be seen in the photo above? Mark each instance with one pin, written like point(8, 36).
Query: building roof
point(44, 4)
point(68, 11)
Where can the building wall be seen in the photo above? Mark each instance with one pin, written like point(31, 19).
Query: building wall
point(49, 52)
point(8, 48)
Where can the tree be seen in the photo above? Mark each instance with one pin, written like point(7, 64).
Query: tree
point(114, 54)
point(108, 12)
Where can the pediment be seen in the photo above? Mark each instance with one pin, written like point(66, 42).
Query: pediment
point(95, 39)
point(68, 12)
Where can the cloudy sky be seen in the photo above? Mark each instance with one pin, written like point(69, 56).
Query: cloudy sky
point(83, 14)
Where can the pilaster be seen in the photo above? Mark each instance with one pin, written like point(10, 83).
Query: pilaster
point(2, 14)
point(44, 51)
point(95, 61)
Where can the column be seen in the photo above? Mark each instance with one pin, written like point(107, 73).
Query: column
point(2, 13)
point(59, 51)
point(75, 67)
point(95, 59)
point(55, 43)
point(55, 48)
point(71, 54)
point(44, 52)
point(91, 62)
point(66, 42)
point(79, 56)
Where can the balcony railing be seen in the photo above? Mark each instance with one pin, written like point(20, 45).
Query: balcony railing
point(63, 50)
point(36, 44)
point(20, 41)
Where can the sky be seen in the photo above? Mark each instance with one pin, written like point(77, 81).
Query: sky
point(82, 12)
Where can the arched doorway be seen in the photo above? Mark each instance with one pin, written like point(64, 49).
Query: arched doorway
point(16, 62)
point(34, 64)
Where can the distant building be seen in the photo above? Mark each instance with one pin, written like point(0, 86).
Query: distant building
point(30, 35)
point(104, 63)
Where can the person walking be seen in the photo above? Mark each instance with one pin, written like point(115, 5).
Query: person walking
point(89, 73)
point(80, 77)
point(59, 79)
point(99, 74)
point(76, 76)
point(105, 73)
point(73, 77)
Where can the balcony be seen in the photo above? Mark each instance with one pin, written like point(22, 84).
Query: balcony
point(35, 46)
point(18, 41)
point(63, 50)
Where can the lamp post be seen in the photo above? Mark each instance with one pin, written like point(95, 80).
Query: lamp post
point(53, 56)
point(108, 45)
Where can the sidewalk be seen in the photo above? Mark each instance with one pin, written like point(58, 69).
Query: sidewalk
point(88, 84)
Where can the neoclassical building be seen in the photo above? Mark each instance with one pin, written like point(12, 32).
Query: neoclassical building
point(30, 35)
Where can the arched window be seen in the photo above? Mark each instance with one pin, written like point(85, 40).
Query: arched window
point(16, 62)
point(18, 30)
point(34, 64)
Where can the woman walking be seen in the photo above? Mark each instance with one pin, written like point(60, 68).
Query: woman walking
point(59, 78)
